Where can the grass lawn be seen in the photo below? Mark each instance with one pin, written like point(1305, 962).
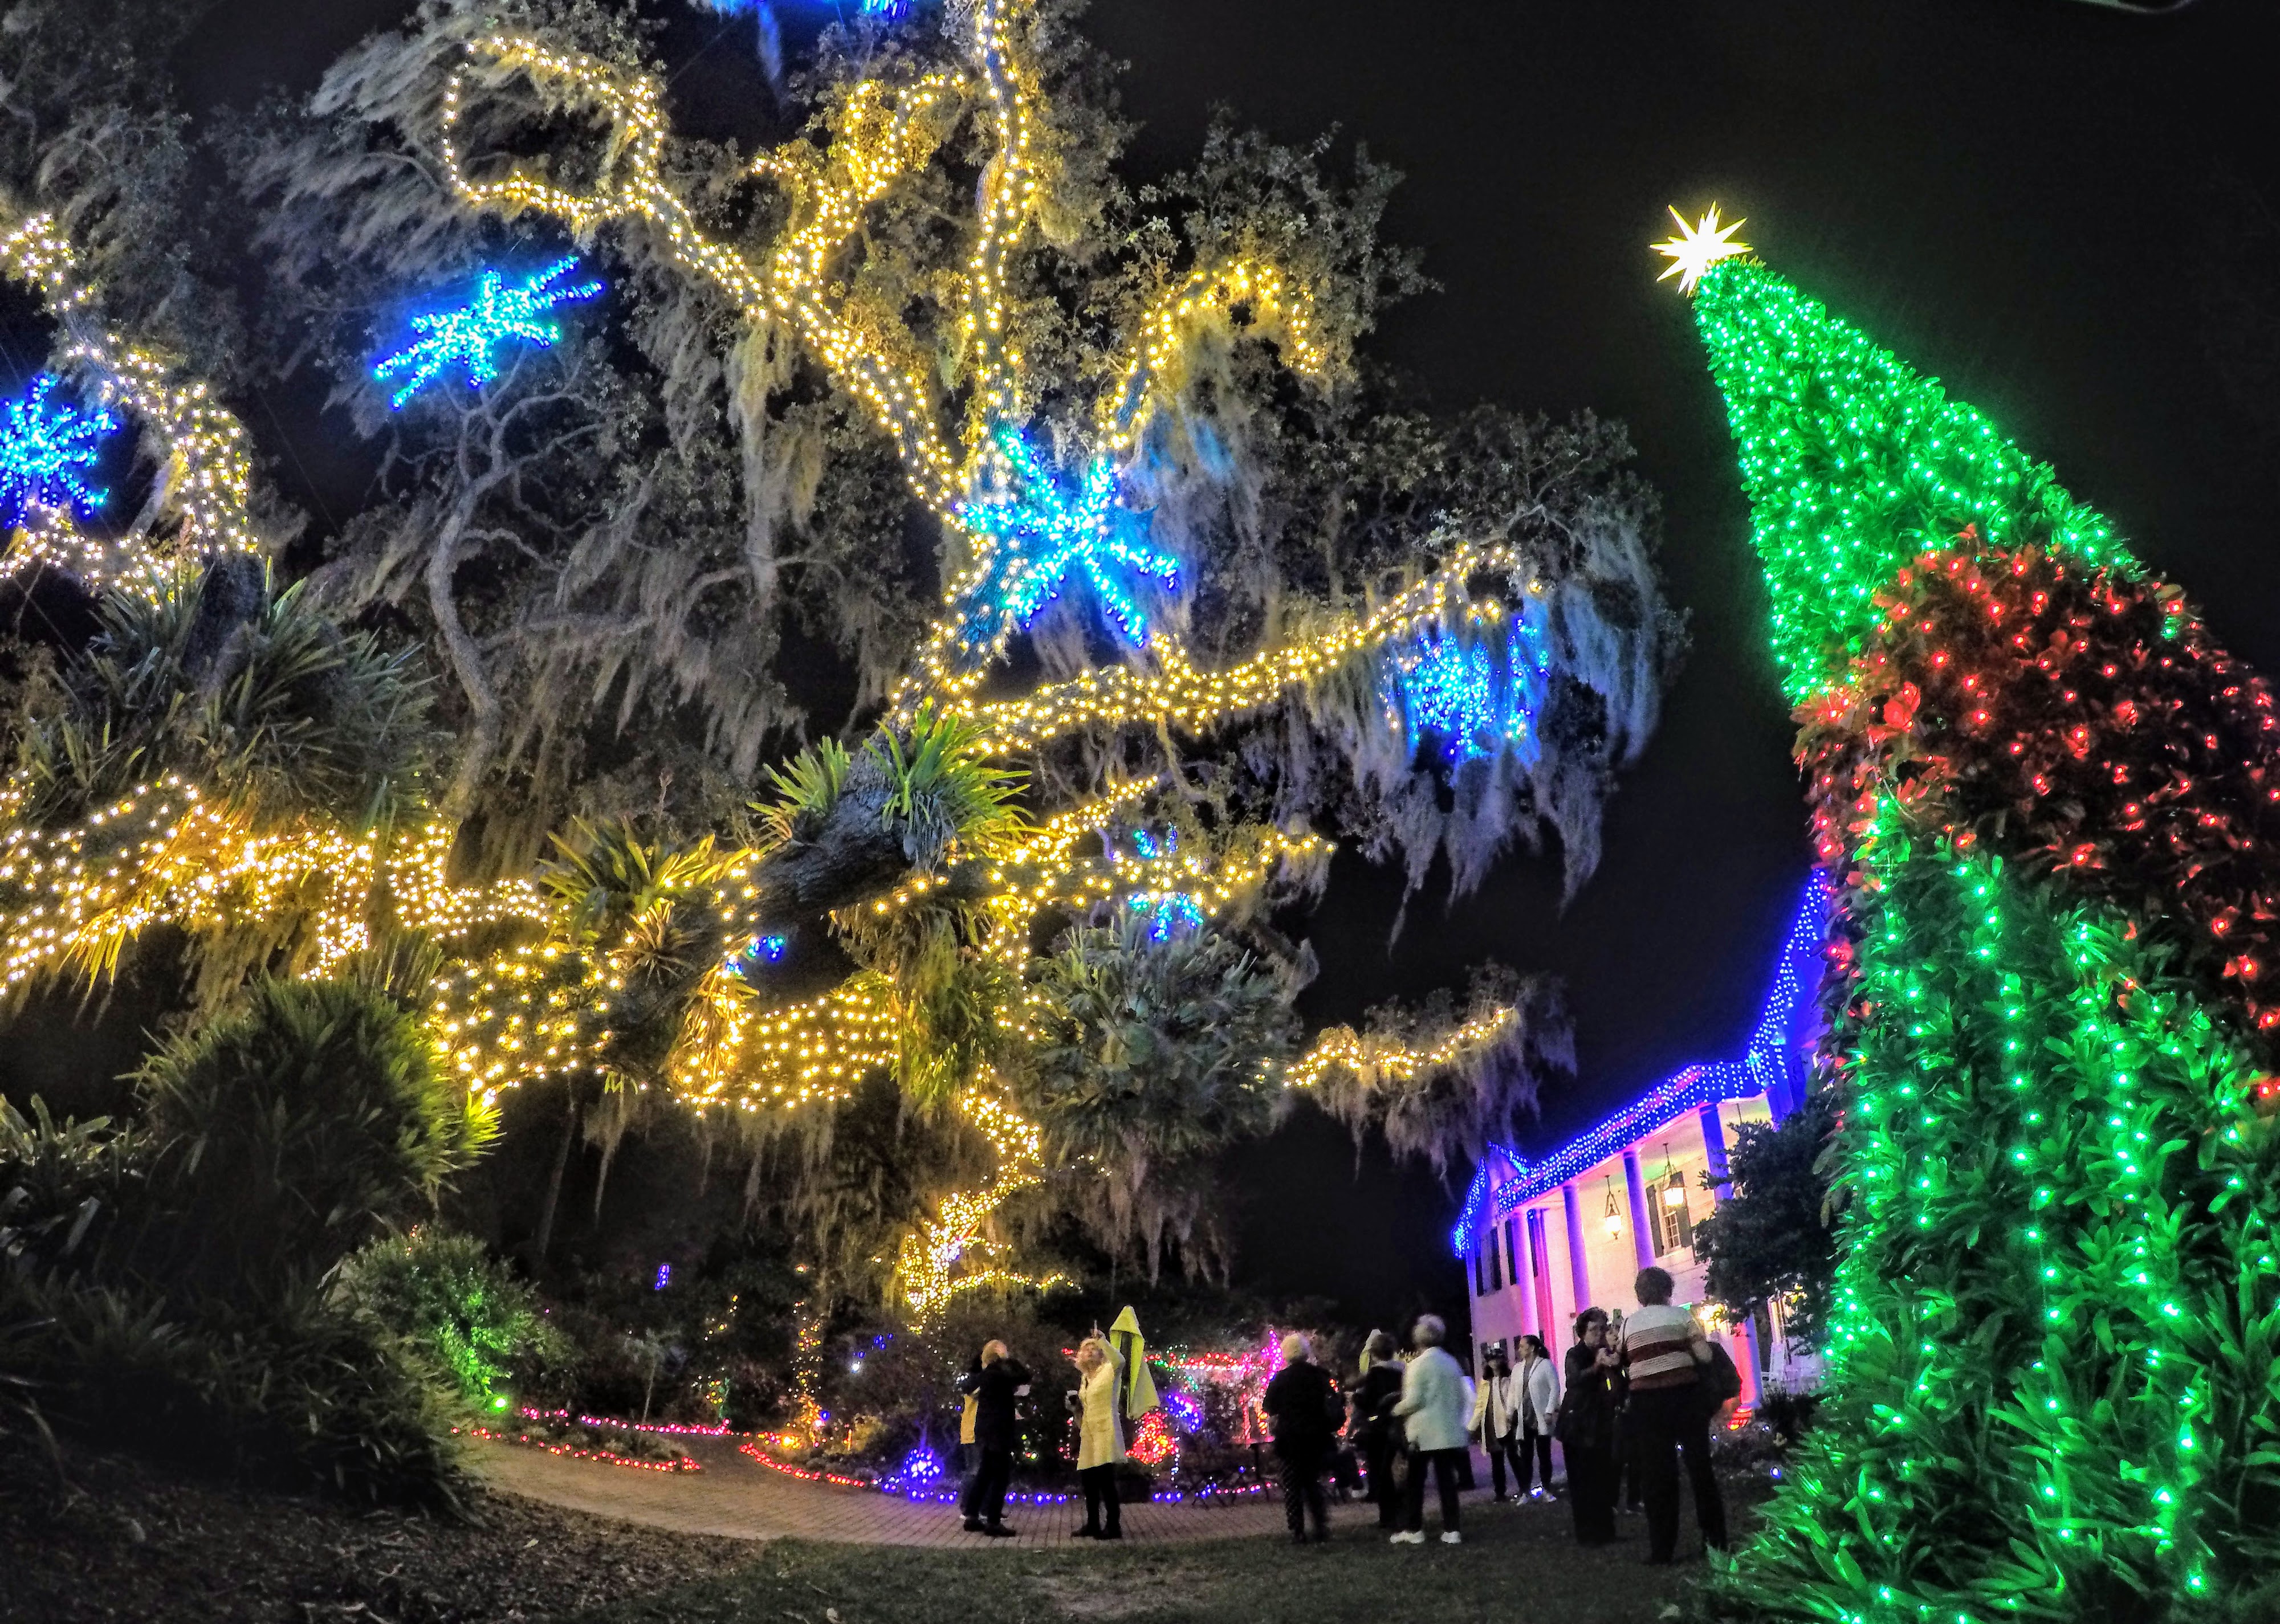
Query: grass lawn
point(1519, 1565)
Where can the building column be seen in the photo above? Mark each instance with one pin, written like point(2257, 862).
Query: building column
point(1539, 1280)
point(1641, 1237)
point(1579, 1266)
point(1753, 1388)
point(1714, 1141)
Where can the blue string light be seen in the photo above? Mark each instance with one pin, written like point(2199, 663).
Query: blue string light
point(1478, 698)
point(46, 447)
point(885, 11)
point(470, 335)
point(758, 950)
point(1773, 1060)
point(1172, 911)
point(1038, 535)
point(921, 1468)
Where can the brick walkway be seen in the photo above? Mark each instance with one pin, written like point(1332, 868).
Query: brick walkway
point(736, 1497)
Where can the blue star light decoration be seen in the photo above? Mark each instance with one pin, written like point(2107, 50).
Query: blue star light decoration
point(46, 448)
point(1478, 698)
point(1038, 535)
point(470, 335)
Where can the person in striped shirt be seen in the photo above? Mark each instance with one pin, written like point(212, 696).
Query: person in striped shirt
point(1664, 1353)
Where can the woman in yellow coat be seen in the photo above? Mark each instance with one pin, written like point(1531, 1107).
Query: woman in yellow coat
point(1100, 1437)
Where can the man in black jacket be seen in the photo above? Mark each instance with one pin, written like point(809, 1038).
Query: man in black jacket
point(995, 1386)
point(1302, 1406)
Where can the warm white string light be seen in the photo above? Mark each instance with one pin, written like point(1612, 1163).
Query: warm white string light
point(205, 476)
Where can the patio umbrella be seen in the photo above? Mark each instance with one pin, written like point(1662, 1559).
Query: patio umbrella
point(1136, 1388)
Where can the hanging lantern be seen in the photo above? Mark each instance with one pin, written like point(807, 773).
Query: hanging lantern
point(1614, 1218)
point(1674, 1194)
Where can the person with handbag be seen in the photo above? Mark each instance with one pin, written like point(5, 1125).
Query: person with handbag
point(1585, 1426)
point(1375, 1428)
point(1433, 1407)
point(1665, 1355)
point(1535, 1400)
point(1496, 1423)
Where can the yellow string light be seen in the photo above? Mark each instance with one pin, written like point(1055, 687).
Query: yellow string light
point(1372, 1058)
point(936, 1263)
point(165, 855)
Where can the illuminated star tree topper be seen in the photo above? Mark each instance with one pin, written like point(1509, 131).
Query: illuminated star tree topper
point(46, 448)
point(1697, 247)
point(470, 335)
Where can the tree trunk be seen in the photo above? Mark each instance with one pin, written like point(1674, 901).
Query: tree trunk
point(545, 1237)
point(481, 739)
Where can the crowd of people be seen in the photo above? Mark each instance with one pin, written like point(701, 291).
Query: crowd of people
point(1636, 1397)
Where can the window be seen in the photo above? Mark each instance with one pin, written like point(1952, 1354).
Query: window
point(1669, 1224)
point(1678, 1213)
point(1512, 1249)
point(1480, 1277)
point(1496, 1260)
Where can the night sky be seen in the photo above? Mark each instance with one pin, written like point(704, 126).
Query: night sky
point(2022, 197)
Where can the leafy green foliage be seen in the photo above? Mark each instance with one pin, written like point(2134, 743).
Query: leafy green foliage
point(943, 790)
point(1773, 1238)
point(1151, 1056)
point(807, 788)
point(287, 1134)
point(267, 1375)
point(458, 1308)
point(254, 694)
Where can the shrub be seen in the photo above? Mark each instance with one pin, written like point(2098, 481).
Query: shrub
point(457, 1309)
point(291, 1132)
point(163, 1287)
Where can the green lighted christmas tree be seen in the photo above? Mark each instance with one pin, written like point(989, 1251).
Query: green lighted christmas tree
point(2050, 797)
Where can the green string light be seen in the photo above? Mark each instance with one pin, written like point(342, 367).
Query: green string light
point(1854, 464)
point(2054, 1355)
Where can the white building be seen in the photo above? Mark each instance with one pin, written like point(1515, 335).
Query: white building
point(1542, 1240)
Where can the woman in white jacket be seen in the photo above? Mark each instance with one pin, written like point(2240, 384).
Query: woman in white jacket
point(1536, 1402)
point(1496, 1422)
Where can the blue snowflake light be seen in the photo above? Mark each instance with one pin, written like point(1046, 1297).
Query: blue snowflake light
point(1477, 697)
point(46, 448)
point(470, 335)
point(1039, 534)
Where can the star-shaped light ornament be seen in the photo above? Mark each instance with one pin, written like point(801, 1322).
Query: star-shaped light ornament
point(1037, 535)
point(1697, 247)
point(47, 449)
point(470, 335)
